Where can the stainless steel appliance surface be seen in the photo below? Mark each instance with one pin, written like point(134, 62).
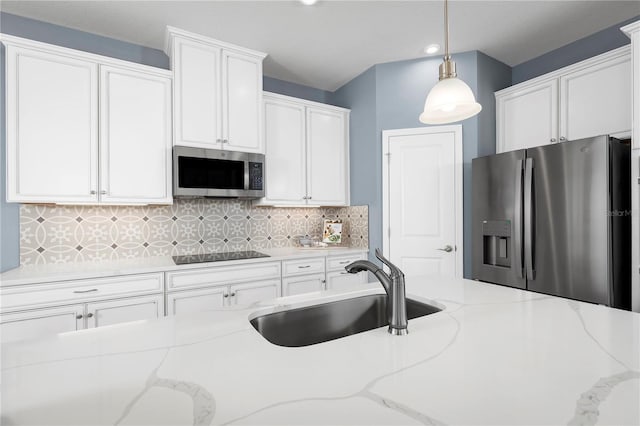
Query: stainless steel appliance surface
point(556, 220)
point(200, 172)
point(217, 257)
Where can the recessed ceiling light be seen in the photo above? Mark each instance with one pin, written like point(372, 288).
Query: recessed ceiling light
point(308, 2)
point(432, 48)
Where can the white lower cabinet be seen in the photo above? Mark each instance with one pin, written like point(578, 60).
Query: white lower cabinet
point(196, 300)
point(303, 284)
point(124, 310)
point(342, 280)
point(40, 322)
point(47, 308)
point(244, 294)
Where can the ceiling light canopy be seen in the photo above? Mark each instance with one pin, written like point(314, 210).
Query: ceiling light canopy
point(451, 99)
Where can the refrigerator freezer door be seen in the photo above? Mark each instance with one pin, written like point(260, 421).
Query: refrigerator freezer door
point(497, 219)
point(570, 238)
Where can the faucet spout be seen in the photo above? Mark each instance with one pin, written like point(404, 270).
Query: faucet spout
point(394, 287)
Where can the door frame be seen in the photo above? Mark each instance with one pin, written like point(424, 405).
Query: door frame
point(458, 173)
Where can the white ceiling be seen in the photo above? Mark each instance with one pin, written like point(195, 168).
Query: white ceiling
point(331, 42)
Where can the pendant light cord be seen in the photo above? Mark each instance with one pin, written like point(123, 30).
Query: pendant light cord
point(446, 29)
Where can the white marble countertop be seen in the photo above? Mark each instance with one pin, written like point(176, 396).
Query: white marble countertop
point(33, 274)
point(494, 355)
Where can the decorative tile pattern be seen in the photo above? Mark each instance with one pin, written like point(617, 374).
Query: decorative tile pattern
point(59, 234)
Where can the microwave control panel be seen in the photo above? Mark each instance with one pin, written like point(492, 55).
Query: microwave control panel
point(255, 176)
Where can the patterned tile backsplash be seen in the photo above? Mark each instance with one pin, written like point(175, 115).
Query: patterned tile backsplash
point(59, 234)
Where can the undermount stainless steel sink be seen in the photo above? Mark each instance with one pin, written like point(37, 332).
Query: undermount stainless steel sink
point(328, 321)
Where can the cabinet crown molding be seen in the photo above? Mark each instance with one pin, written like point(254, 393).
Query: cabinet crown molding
point(631, 28)
point(9, 40)
point(277, 96)
point(603, 57)
point(173, 32)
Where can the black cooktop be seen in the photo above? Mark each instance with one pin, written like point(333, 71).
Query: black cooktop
point(217, 257)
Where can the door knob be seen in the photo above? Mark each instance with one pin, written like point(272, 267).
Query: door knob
point(446, 248)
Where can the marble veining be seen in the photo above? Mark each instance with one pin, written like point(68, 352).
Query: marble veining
point(494, 355)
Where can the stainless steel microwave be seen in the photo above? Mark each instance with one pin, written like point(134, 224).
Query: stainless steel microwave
point(200, 172)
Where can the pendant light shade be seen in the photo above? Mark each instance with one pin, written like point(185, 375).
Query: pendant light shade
point(451, 99)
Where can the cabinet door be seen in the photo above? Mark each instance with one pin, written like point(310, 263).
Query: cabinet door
point(244, 294)
point(242, 102)
point(124, 310)
point(52, 127)
point(303, 284)
point(197, 94)
point(284, 134)
point(196, 300)
point(40, 323)
point(341, 280)
point(596, 100)
point(327, 158)
point(135, 137)
point(527, 117)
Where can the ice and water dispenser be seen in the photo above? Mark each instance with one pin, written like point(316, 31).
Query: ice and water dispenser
point(496, 236)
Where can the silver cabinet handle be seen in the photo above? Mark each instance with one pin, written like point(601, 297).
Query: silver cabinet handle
point(226, 295)
point(308, 198)
point(233, 294)
point(345, 273)
point(218, 140)
point(103, 192)
point(89, 315)
point(79, 316)
point(85, 291)
point(517, 221)
point(92, 192)
point(344, 262)
point(562, 138)
point(304, 267)
point(446, 248)
point(552, 140)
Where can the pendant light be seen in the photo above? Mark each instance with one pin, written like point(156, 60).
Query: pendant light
point(451, 99)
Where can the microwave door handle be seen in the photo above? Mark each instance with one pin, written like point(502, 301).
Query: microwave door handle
point(246, 174)
point(529, 218)
point(517, 222)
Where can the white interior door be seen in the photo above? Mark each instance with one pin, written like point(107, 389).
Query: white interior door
point(423, 200)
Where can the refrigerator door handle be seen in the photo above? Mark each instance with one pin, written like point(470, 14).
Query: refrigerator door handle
point(529, 215)
point(517, 222)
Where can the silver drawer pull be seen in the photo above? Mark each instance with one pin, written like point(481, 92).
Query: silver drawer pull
point(233, 294)
point(79, 316)
point(304, 267)
point(85, 291)
point(344, 262)
point(345, 273)
point(89, 315)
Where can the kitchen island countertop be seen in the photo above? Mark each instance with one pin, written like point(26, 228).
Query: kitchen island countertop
point(494, 355)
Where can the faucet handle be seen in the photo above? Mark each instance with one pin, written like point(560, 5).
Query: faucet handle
point(395, 271)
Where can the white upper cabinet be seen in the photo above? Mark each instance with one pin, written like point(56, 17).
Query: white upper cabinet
point(596, 100)
point(284, 129)
point(587, 99)
point(307, 152)
point(135, 137)
point(217, 91)
point(197, 109)
point(528, 117)
point(60, 150)
point(52, 127)
point(327, 154)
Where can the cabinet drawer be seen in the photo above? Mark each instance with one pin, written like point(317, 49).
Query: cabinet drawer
point(222, 275)
point(338, 263)
point(306, 266)
point(80, 290)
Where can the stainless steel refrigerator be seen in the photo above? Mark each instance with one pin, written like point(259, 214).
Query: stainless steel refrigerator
point(556, 219)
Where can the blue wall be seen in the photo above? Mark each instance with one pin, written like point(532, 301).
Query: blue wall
point(595, 44)
point(282, 87)
point(391, 96)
